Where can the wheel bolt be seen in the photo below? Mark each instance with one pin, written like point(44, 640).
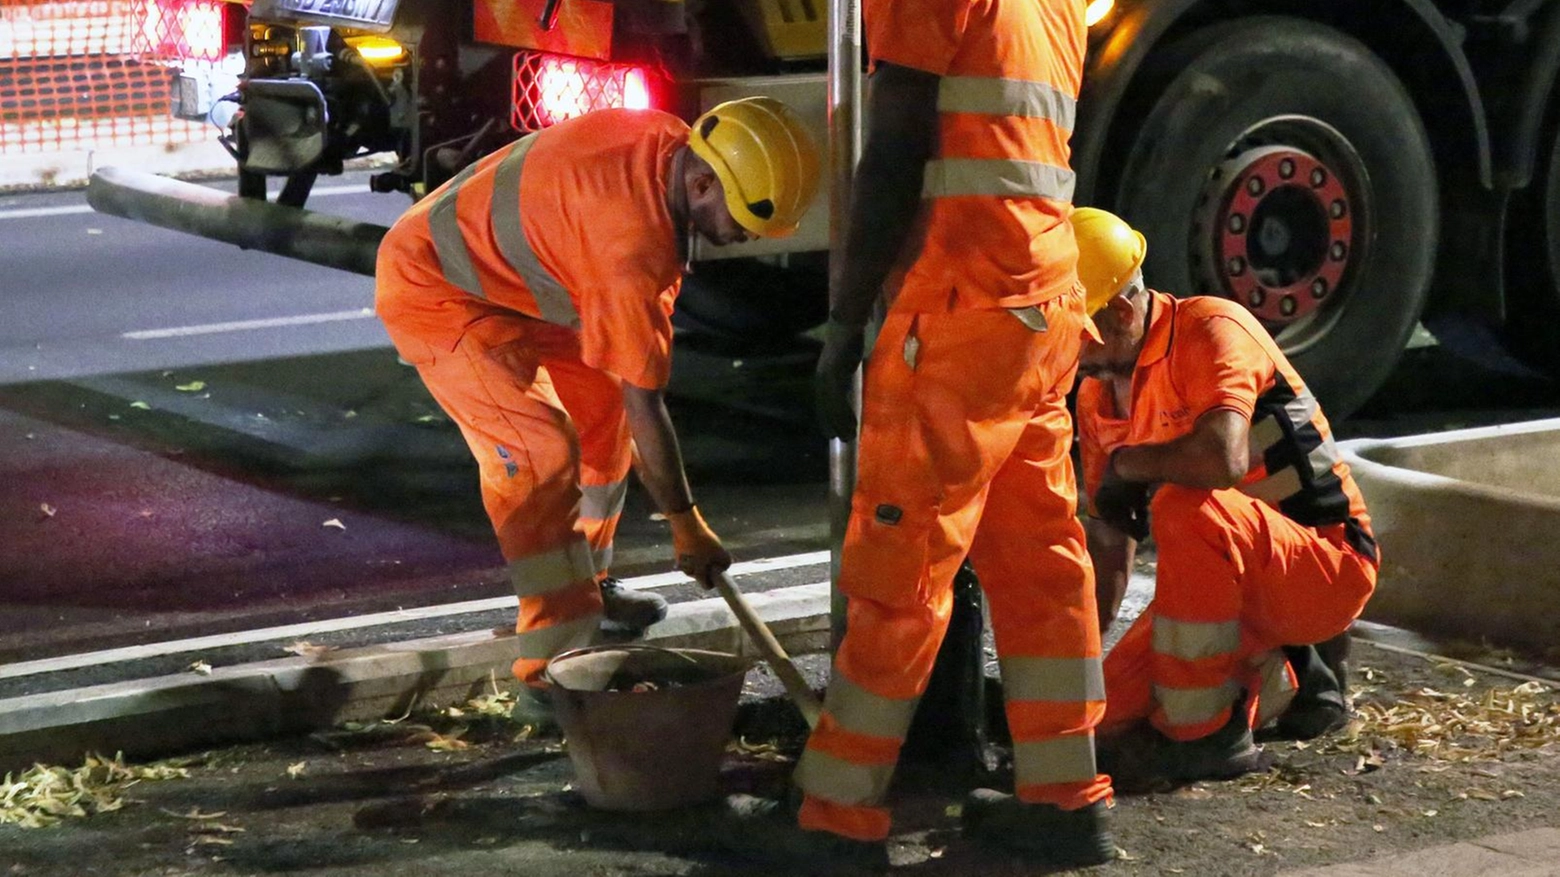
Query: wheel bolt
point(1338, 209)
point(1237, 223)
point(1318, 287)
point(1286, 306)
point(1318, 177)
point(1237, 266)
point(1254, 185)
point(1286, 168)
point(1337, 251)
point(1257, 297)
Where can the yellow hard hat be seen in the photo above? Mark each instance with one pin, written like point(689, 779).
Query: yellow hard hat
point(765, 159)
point(1109, 253)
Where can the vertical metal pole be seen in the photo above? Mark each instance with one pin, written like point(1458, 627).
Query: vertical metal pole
point(844, 148)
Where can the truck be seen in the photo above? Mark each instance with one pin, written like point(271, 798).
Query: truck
point(1342, 168)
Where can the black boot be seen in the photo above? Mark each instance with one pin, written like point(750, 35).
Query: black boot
point(765, 830)
point(1321, 704)
point(628, 612)
point(1144, 760)
point(1043, 833)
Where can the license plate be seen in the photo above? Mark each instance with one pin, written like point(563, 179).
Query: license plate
point(361, 13)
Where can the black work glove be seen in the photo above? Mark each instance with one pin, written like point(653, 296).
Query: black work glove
point(833, 381)
point(1123, 504)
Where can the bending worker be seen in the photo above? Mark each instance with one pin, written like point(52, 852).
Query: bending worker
point(962, 195)
point(1263, 537)
point(534, 291)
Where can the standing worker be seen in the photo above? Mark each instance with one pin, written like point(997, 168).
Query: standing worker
point(534, 292)
point(959, 211)
point(1263, 537)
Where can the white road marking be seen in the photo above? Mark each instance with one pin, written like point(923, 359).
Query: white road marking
point(249, 325)
point(72, 209)
point(293, 631)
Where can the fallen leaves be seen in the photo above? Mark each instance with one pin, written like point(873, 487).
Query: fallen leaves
point(47, 795)
point(191, 387)
point(49, 511)
point(200, 667)
point(759, 751)
point(336, 523)
point(295, 771)
point(1451, 726)
point(306, 649)
point(140, 406)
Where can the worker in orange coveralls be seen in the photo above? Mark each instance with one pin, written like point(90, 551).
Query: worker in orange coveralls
point(534, 291)
point(1263, 538)
point(960, 211)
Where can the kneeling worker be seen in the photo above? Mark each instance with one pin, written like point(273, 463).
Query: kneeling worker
point(1263, 538)
point(534, 292)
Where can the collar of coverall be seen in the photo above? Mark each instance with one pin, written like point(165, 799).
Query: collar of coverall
point(1161, 328)
point(677, 203)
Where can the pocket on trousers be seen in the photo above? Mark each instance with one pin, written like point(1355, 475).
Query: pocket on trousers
point(887, 548)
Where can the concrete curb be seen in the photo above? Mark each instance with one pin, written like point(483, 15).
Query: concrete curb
point(151, 717)
point(1466, 521)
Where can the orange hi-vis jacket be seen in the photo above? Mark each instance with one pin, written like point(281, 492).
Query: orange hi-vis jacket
point(1202, 354)
point(993, 231)
point(594, 248)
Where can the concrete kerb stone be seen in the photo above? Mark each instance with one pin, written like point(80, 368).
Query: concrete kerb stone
point(248, 702)
point(1466, 520)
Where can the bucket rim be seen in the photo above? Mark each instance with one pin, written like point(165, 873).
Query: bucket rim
point(746, 664)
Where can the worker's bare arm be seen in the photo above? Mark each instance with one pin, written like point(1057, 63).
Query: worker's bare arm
point(1211, 456)
point(660, 458)
point(901, 137)
point(1112, 552)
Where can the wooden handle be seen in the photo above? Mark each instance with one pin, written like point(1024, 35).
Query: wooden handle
point(795, 685)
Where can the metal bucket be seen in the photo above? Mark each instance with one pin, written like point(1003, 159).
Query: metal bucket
point(646, 750)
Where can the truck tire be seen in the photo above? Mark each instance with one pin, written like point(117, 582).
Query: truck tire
point(753, 302)
point(1284, 166)
point(1533, 262)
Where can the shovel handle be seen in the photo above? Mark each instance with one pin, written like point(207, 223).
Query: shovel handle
point(790, 677)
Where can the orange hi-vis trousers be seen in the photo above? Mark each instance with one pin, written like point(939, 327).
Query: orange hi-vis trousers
point(1236, 580)
point(963, 450)
point(553, 452)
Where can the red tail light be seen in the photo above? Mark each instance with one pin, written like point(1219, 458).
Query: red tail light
point(551, 88)
point(183, 30)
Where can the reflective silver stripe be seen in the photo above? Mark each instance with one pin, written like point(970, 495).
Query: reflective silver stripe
point(859, 711)
point(1191, 706)
point(448, 242)
point(1068, 680)
point(1059, 760)
point(993, 96)
point(1195, 640)
point(835, 779)
point(1323, 457)
point(544, 642)
point(1275, 488)
point(603, 501)
point(1278, 688)
point(552, 300)
point(552, 570)
point(604, 559)
point(1301, 408)
point(1265, 433)
point(1003, 177)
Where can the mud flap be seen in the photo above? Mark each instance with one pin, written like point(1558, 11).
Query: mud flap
point(949, 728)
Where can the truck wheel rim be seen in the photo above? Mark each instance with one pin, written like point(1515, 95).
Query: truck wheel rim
point(1282, 215)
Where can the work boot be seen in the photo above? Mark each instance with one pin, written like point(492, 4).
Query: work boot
point(1043, 833)
point(628, 612)
point(1144, 760)
point(1321, 703)
point(534, 709)
point(765, 830)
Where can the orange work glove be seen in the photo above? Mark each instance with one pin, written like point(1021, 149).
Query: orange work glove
point(699, 552)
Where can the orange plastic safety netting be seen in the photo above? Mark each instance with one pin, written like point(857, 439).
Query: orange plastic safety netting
point(91, 74)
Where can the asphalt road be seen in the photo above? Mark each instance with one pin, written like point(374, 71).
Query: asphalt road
point(199, 439)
